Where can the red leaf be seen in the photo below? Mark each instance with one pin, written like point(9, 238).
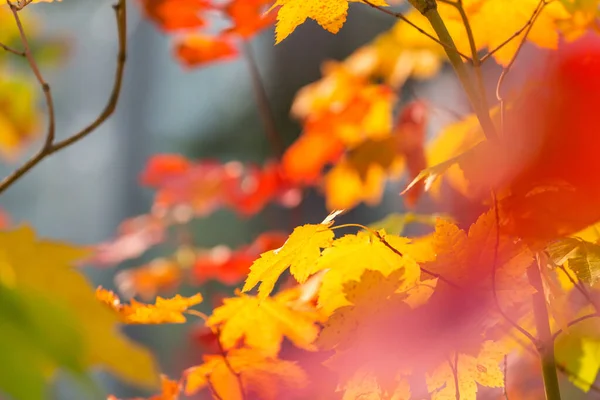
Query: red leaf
point(173, 15)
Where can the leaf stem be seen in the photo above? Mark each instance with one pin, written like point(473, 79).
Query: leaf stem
point(542, 323)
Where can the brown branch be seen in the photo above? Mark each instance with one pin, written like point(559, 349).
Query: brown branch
point(401, 16)
point(527, 25)
point(494, 271)
point(229, 366)
point(504, 377)
point(212, 389)
point(573, 375)
point(508, 67)
point(50, 147)
point(38, 75)
point(262, 101)
point(454, 368)
point(575, 322)
point(11, 50)
point(435, 275)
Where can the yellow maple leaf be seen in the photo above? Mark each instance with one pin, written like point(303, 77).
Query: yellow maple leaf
point(46, 268)
point(299, 253)
point(483, 370)
point(351, 255)
point(330, 14)
point(272, 378)
point(164, 311)
point(262, 324)
point(364, 385)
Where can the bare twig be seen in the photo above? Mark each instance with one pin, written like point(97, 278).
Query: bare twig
point(11, 50)
point(454, 368)
point(38, 75)
point(262, 101)
point(51, 147)
point(530, 22)
point(434, 274)
point(212, 389)
point(238, 377)
point(574, 376)
point(409, 22)
point(575, 322)
point(504, 377)
point(494, 271)
point(508, 67)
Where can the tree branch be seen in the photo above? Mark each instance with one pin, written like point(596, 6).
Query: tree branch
point(508, 67)
point(262, 101)
point(401, 16)
point(11, 50)
point(50, 147)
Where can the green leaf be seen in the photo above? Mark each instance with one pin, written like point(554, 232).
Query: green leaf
point(583, 257)
point(37, 336)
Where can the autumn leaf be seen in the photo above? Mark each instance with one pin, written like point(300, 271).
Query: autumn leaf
point(351, 255)
point(195, 50)
point(173, 15)
point(170, 390)
point(45, 268)
point(165, 311)
point(263, 323)
point(268, 378)
point(471, 371)
point(330, 14)
point(298, 253)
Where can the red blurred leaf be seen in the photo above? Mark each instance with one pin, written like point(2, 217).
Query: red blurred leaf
point(147, 281)
point(176, 14)
point(248, 17)
point(230, 267)
point(162, 167)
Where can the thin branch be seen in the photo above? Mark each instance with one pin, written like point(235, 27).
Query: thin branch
point(574, 376)
point(435, 275)
point(508, 67)
point(504, 377)
point(575, 322)
point(262, 101)
point(454, 368)
point(494, 271)
point(11, 50)
point(50, 147)
point(409, 22)
point(530, 22)
point(581, 288)
point(474, 54)
point(212, 389)
point(38, 75)
point(229, 366)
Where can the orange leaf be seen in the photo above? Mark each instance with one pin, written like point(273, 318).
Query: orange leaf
point(176, 14)
point(195, 50)
point(165, 311)
point(248, 17)
point(270, 377)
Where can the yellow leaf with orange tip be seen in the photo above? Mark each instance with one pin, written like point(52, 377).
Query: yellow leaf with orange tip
point(299, 253)
point(164, 311)
point(270, 378)
point(47, 268)
point(262, 324)
point(483, 370)
point(330, 14)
